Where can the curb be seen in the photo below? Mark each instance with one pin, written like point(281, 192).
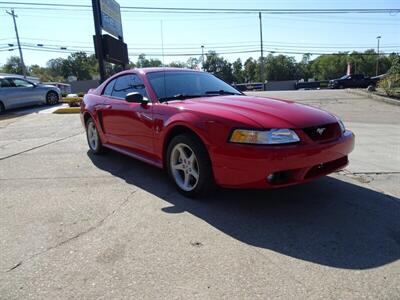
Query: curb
point(374, 97)
point(68, 110)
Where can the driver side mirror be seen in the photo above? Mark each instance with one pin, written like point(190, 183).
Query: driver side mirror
point(135, 97)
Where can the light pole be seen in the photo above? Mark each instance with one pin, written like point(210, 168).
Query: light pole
point(377, 58)
point(202, 57)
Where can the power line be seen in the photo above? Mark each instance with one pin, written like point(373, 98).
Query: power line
point(215, 10)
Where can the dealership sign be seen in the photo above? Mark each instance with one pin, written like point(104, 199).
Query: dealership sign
point(110, 14)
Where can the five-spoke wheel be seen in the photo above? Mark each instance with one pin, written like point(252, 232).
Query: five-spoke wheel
point(93, 137)
point(185, 167)
point(189, 165)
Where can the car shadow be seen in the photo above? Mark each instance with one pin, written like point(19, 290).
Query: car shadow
point(328, 222)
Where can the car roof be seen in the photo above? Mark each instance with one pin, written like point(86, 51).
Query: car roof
point(10, 76)
point(159, 69)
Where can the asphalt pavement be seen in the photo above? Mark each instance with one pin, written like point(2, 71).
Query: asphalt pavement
point(78, 226)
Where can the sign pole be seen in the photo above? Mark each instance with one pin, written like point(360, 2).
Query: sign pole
point(98, 39)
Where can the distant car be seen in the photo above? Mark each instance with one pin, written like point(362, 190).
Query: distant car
point(352, 81)
point(17, 92)
point(205, 132)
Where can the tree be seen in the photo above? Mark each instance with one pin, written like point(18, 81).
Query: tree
point(218, 66)
point(329, 66)
point(43, 74)
point(143, 62)
point(55, 67)
point(237, 71)
point(193, 63)
point(280, 67)
point(250, 67)
point(13, 65)
point(177, 64)
point(304, 67)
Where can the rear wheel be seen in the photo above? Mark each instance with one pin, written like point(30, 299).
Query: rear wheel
point(189, 166)
point(52, 98)
point(2, 109)
point(93, 137)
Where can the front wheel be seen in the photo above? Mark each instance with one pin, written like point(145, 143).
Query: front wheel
point(189, 166)
point(93, 137)
point(52, 98)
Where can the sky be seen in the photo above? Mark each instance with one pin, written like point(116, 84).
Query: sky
point(185, 33)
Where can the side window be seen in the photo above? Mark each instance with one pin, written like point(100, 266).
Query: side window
point(21, 83)
point(5, 83)
point(109, 88)
point(128, 84)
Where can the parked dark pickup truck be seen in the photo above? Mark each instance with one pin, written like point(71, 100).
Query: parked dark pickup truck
point(352, 81)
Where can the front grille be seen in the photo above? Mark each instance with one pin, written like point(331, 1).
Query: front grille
point(323, 132)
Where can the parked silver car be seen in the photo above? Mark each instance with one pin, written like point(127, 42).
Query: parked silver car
point(18, 92)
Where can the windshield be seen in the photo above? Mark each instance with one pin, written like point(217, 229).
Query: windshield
point(179, 85)
point(344, 77)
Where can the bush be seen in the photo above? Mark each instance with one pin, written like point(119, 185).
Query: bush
point(391, 85)
point(81, 94)
point(63, 94)
point(72, 101)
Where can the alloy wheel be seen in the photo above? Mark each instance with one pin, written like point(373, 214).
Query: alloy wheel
point(93, 137)
point(184, 167)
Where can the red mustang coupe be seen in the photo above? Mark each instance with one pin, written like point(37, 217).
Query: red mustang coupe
point(205, 132)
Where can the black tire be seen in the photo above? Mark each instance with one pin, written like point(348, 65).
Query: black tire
point(205, 183)
point(95, 148)
point(52, 98)
point(341, 87)
point(2, 108)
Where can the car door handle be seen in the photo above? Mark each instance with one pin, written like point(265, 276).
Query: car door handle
point(107, 106)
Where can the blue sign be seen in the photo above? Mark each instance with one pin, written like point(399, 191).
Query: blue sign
point(111, 17)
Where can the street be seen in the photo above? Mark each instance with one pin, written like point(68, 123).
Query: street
point(78, 226)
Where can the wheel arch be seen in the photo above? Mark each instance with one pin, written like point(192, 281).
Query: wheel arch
point(86, 117)
point(175, 131)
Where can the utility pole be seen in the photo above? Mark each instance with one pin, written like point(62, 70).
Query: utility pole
point(377, 58)
point(19, 45)
point(262, 51)
point(202, 57)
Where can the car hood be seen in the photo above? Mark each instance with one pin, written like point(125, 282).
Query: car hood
point(260, 112)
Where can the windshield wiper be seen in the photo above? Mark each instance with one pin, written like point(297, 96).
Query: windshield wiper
point(222, 92)
point(179, 97)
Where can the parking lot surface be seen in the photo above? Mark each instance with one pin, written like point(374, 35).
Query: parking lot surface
point(78, 226)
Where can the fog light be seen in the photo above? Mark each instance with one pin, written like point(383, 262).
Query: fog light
point(271, 177)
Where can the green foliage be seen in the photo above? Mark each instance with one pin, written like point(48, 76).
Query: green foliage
point(276, 67)
point(391, 85)
point(280, 67)
point(250, 70)
point(218, 66)
point(12, 66)
point(329, 66)
point(143, 62)
point(237, 71)
point(395, 66)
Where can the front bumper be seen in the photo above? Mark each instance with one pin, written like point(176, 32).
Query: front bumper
point(245, 166)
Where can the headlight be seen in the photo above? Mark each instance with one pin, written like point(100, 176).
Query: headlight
point(271, 136)
point(341, 124)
